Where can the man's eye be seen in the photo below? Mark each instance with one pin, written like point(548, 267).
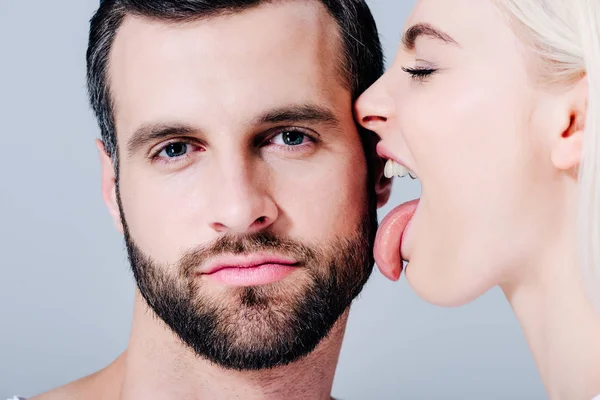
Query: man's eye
point(174, 150)
point(289, 138)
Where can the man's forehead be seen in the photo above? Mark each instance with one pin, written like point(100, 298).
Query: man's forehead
point(296, 19)
point(286, 52)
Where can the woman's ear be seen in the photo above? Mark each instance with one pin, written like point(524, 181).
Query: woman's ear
point(567, 147)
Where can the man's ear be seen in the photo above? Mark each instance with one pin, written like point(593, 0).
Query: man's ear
point(383, 185)
point(109, 185)
point(567, 144)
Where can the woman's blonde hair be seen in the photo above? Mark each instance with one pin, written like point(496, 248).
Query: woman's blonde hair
point(565, 38)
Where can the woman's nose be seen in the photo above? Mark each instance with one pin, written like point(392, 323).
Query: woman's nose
point(375, 107)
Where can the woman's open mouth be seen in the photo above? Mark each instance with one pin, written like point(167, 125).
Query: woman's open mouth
point(393, 228)
point(388, 244)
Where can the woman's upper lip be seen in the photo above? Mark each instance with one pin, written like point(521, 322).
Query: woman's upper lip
point(384, 153)
point(245, 261)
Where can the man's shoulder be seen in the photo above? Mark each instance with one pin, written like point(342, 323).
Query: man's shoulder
point(97, 386)
point(72, 391)
point(67, 392)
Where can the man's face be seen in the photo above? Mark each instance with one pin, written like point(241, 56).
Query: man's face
point(242, 185)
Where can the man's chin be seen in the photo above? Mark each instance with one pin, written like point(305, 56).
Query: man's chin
point(284, 293)
point(257, 327)
point(265, 337)
point(254, 316)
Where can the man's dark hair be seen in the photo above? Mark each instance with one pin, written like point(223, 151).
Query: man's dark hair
point(362, 61)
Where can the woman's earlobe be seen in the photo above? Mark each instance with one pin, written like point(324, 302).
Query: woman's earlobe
point(567, 153)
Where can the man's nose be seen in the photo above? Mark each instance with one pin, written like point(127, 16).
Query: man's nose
point(375, 107)
point(241, 199)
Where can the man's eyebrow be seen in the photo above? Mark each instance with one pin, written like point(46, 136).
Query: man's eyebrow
point(414, 32)
point(299, 113)
point(149, 133)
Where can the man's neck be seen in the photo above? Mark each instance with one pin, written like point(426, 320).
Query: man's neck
point(158, 366)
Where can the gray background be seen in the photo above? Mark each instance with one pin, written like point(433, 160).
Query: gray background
point(65, 287)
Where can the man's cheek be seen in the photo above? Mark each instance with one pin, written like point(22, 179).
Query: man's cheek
point(157, 225)
point(328, 208)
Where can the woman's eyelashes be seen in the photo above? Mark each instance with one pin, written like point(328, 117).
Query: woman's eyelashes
point(420, 74)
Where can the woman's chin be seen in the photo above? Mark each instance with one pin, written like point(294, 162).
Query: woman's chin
point(444, 285)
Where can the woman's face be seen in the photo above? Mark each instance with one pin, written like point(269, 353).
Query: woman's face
point(460, 108)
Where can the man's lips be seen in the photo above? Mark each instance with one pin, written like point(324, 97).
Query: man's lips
point(246, 261)
point(249, 270)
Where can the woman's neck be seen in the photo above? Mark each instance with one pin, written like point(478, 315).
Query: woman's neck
point(560, 323)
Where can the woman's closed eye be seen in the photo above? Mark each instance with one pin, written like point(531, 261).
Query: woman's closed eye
point(420, 74)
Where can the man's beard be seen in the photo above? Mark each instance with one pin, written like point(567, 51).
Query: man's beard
point(253, 328)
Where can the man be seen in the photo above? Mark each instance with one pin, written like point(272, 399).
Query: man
point(247, 196)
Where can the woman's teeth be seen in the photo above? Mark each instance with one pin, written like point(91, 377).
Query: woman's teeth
point(392, 169)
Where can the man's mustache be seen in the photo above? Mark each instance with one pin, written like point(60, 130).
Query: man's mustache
point(254, 242)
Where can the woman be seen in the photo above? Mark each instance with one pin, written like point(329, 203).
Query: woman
point(495, 106)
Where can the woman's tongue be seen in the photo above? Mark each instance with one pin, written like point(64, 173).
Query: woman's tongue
point(389, 239)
